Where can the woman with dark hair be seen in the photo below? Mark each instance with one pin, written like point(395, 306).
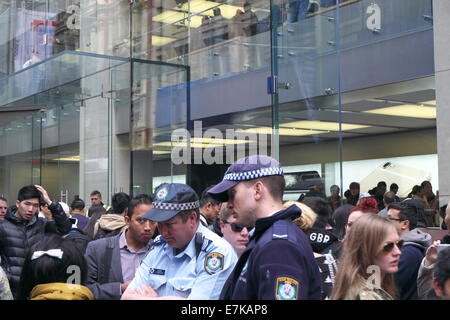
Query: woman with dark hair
point(77, 212)
point(326, 262)
point(54, 269)
point(323, 237)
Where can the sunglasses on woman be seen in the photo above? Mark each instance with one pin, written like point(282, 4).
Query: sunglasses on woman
point(389, 246)
point(237, 228)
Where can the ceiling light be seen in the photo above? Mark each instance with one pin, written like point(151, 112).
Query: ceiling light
point(202, 143)
point(205, 8)
point(161, 41)
point(161, 152)
point(281, 131)
point(194, 12)
point(219, 141)
point(72, 158)
point(429, 103)
point(321, 125)
point(407, 110)
point(184, 145)
point(197, 6)
point(170, 16)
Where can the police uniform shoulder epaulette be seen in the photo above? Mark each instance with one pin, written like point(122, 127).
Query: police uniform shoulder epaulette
point(159, 240)
point(280, 230)
point(206, 243)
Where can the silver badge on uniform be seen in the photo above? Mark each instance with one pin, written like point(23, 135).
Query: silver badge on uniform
point(213, 262)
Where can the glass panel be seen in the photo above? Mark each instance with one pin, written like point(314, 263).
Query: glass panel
point(160, 105)
point(35, 121)
point(33, 31)
point(72, 156)
point(105, 27)
point(95, 142)
point(307, 100)
point(16, 161)
point(227, 46)
point(396, 104)
point(5, 16)
point(56, 71)
point(120, 129)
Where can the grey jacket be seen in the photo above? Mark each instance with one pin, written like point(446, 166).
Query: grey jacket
point(424, 280)
point(104, 281)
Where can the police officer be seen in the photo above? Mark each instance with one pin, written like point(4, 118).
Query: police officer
point(278, 262)
point(187, 260)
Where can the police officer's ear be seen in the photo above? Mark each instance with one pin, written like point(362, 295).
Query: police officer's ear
point(258, 189)
point(193, 215)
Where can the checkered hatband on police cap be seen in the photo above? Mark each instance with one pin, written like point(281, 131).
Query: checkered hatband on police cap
point(176, 206)
point(254, 174)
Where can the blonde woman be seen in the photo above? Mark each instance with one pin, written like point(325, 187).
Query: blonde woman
point(308, 217)
point(370, 259)
point(326, 262)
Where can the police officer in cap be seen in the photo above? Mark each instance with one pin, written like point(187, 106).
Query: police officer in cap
point(187, 260)
point(278, 262)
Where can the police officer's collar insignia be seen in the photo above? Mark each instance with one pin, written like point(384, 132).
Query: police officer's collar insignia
point(244, 269)
point(213, 262)
point(286, 288)
point(158, 240)
point(162, 194)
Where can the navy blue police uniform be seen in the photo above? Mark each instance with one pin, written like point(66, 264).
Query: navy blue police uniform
point(277, 264)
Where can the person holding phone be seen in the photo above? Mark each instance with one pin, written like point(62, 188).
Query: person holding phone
point(425, 276)
point(433, 281)
point(22, 228)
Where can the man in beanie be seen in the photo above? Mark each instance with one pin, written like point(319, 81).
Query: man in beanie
point(187, 260)
point(278, 262)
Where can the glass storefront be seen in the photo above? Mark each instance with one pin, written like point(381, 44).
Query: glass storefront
point(339, 93)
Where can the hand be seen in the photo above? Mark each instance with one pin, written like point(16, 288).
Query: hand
point(124, 286)
point(44, 193)
point(431, 254)
point(146, 290)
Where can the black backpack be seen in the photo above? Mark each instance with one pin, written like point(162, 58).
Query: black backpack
point(79, 237)
point(102, 233)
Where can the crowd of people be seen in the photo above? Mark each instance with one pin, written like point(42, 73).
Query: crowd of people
point(239, 240)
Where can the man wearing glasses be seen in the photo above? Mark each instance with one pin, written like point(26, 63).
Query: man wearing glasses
point(415, 245)
point(22, 228)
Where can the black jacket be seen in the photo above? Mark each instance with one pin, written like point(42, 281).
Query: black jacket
point(413, 251)
point(18, 235)
point(277, 264)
